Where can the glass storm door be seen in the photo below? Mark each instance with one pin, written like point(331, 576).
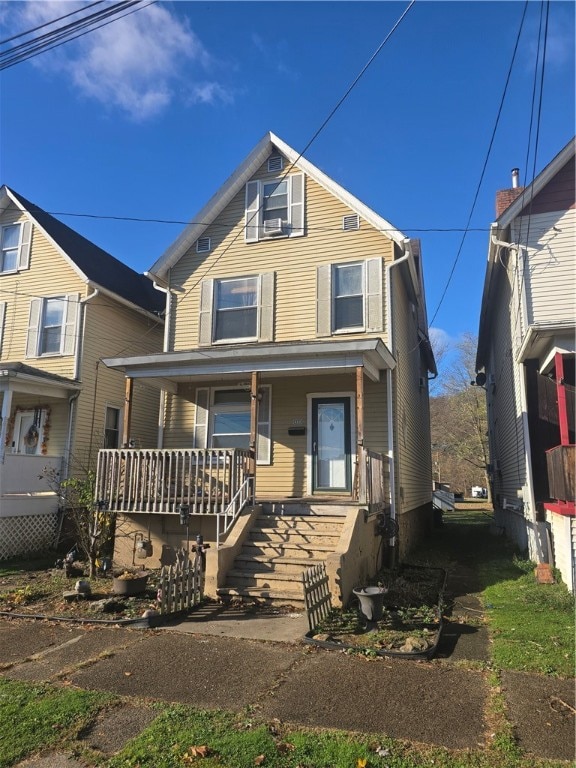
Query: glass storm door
point(331, 466)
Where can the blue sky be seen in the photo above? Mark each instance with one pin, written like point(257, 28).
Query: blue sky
point(148, 116)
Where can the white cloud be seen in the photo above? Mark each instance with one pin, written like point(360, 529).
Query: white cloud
point(136, 63)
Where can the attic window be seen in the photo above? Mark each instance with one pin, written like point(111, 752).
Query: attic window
point(352, 221)
point(203, 245)
point(275, 163)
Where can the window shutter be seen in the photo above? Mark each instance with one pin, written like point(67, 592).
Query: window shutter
point(263, 446)
point(266, 331)
point(206, 299)
point(252, 211)
point(297, 205)
point(34, 328)
point(70, 326)
point(2, 316)
point(324, 300)
point(374, 309)
point(201, 418)
point(24, 252)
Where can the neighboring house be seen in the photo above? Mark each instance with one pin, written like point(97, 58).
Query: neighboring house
point(526, 350)
point(64, 304)
point(295, 375)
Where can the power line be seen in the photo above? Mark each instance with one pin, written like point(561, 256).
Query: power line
point(48, 23)
point(54, 39)
point(476, 194)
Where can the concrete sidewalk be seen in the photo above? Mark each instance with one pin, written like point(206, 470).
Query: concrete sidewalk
point(438, 702)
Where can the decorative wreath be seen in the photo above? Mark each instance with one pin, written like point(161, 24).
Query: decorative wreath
point(31, 437)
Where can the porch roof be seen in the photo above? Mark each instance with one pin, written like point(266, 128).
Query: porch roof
point(19, 377)
point(287, 358)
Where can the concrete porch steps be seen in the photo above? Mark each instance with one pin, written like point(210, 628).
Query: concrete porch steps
point(278, 549)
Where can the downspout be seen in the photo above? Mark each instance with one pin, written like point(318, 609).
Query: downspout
point(77, 371)
point(80, 349)
point(389, 398)
point(165, 344)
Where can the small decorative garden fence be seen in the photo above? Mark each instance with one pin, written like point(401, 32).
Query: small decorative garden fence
point(180, 586)
point(317, 597)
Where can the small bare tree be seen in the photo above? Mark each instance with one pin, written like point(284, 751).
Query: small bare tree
point(92, 525)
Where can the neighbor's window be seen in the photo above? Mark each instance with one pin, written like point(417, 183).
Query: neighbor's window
point(348, 296)
point(112, 428)
point(51, 332)
point(10, 237)
point(236, 309)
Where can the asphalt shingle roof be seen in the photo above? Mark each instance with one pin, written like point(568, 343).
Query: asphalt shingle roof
point(96, 264)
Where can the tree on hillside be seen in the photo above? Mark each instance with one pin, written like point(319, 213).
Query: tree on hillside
point(459, 424)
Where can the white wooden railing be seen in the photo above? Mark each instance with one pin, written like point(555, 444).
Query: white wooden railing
point(373, 483)
point(161, 480)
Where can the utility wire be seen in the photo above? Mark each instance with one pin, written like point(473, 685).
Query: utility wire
point(48, 23)
point(476, 194)
point(60, 36)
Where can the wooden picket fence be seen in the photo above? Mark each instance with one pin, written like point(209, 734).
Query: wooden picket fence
point(317, 597)
point(180, 586)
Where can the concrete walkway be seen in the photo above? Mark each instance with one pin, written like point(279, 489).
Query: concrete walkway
point(228, 660)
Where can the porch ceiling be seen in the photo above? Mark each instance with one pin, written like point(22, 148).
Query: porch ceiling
point(165, 370)
point(543, 341)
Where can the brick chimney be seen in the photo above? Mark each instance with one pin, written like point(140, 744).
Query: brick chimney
point(505, 197)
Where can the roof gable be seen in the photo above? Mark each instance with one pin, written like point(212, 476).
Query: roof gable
point(235, 183)
point(92, 263)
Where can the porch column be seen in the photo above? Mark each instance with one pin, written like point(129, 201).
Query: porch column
point(6, 408)
point(255, 383)
point(127, 412)
point(561, 394)
point(362, 491)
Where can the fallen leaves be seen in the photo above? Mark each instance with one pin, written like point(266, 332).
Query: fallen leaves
point(195, 751)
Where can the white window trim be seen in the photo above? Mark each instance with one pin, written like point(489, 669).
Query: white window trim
point(215, 309)
point(23, 247)
point(356, 328)
point(257, 213)
point(208, 418)
point(68, 341)
point(120, 410)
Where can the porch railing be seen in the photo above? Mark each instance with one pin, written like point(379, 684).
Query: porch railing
point(373, 480)
point(161, 480)
point(561, 462)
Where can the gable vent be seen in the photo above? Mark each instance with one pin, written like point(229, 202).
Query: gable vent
point(203, 245)
point(352, 221)
point(275, 163)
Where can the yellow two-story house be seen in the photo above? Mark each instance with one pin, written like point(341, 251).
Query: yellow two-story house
point(294, 416)
point(64, 304)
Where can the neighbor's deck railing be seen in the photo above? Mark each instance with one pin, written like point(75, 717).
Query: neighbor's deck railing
point(160, 480)
point(373, 480)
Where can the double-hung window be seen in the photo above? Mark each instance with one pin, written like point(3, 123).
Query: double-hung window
point(275, 208)
point(15, 247)
point(112, 427)
point(236, 309)
point(52, 326)
point(349, 297)
point(349, 284)
point(222, 420)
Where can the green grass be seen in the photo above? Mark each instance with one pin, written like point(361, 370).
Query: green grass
point(35, 716)
point(532, 624)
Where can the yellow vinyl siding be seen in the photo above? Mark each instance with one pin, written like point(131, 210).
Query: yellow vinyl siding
point(411, 408)
point(287, 473)
point(294, 261)
point(112, 328)
point(49, 275)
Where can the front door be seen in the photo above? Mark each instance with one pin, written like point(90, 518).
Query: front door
point(331, 462)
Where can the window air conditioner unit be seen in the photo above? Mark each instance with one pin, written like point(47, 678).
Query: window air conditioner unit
point(272, 227)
